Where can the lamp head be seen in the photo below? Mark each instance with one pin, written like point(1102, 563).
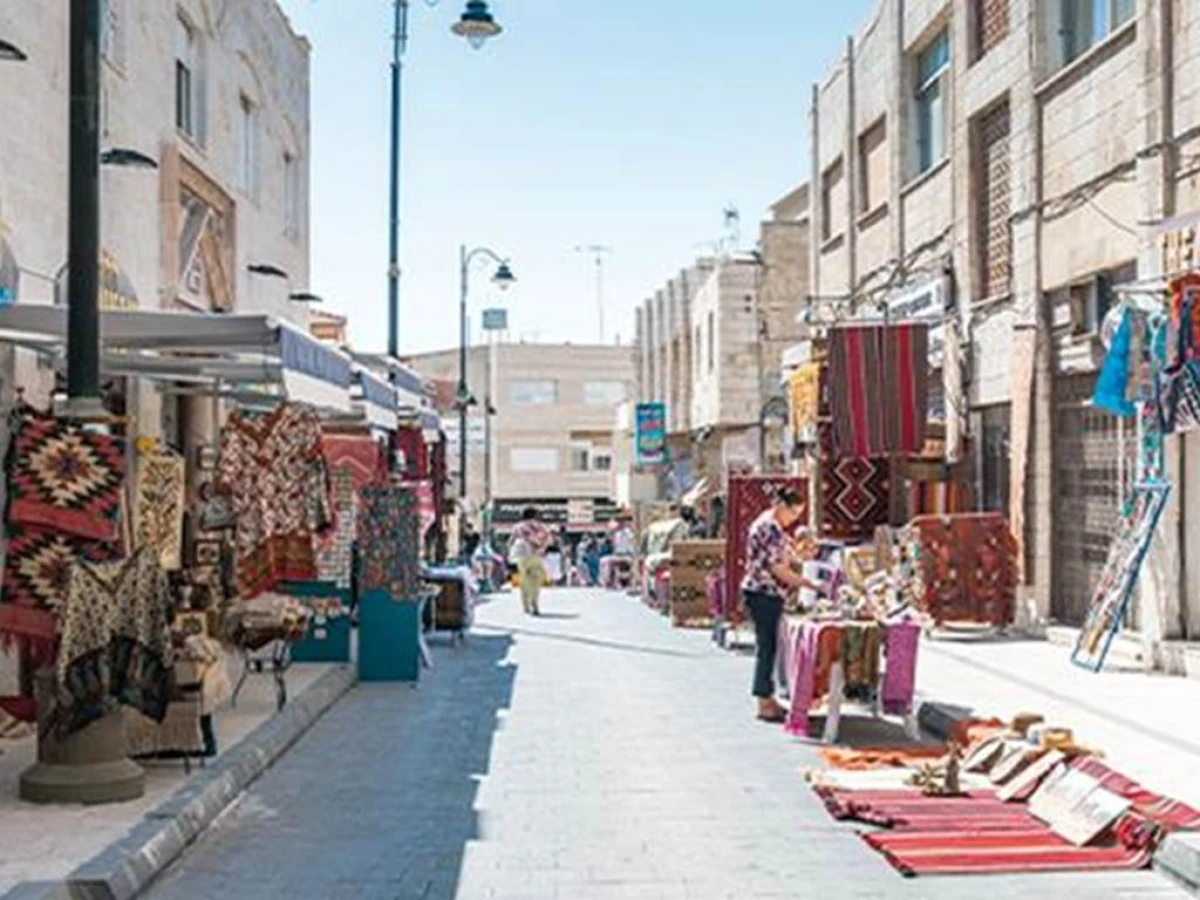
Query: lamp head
point(504, 278)
point(477, 24)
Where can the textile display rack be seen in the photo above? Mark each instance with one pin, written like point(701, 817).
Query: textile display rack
point(871, 663)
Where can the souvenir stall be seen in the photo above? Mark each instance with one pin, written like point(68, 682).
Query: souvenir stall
point(214, 534)
point(1151, 374)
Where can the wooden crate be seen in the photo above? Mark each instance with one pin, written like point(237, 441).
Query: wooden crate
point(691, 563)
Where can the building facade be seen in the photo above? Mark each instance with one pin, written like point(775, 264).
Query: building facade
point(217, 94)
point(1019, 160)
point(550, 439)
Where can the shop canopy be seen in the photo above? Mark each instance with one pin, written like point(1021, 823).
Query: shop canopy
point(249, 353)
point(375, 398)
point(410, 387)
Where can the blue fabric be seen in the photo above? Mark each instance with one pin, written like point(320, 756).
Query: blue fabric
point(377, 391)
point(1111, 394)
point(308, 356)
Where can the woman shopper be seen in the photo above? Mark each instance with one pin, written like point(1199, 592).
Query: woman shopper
point(529, 541)
point(768, 580)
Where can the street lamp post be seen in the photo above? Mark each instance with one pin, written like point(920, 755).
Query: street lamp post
point(477, 25)
point(503, 279)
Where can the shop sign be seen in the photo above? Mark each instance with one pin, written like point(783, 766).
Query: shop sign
point(476, 434)
point(925, 303)
point(650, 438)
point(581, 512)
point(495, 320)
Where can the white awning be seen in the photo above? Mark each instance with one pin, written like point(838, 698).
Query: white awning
point(237, 351)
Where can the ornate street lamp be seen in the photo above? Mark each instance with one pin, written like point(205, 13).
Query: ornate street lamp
point(477, 24)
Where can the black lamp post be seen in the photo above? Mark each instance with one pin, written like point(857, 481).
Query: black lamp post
point(476, 24)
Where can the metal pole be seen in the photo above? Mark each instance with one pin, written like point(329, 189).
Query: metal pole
point(600, 292)
point(487, 427)
point(399, 41)
point(463, 392)
point(83, 221)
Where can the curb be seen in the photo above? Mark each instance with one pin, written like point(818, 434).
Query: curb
point(126, 867)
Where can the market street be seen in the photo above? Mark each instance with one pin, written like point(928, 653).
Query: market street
point(591, 753)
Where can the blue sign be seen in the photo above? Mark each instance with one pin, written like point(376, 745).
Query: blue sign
point(650, 437)
point(495, 320)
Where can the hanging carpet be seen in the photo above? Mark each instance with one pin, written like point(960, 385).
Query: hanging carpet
point(271, 467)
point(353, 463)
point(966, 567)
point(389, 542)
point(855, 495)
point(749, 497)
point(879, 387)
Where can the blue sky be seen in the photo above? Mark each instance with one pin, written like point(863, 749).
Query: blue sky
point(628, 123)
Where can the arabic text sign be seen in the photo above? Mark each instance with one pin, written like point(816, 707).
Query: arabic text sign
point(650, 438)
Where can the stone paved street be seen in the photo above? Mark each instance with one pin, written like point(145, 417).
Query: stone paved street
point(592, 753)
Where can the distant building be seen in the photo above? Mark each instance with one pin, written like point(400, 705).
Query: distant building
point(551, 438)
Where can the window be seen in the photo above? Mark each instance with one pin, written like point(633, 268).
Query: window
point(291, 196)
point(872, 168)
point(580, 459)
point(990, 25)
point(533, 459)
point(833, 201)
point(712, 341)
point(1085, 23)
point(933, 68)
point(189, 81)
point(603, 393)
point(112, 31)
point(995, 430)
point(533, 393)
point(993, 230)
point(247, 145)
point(602, 461)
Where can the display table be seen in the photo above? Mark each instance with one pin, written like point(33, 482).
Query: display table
point(842, 660)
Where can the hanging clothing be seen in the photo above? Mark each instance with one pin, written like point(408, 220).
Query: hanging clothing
point(1112, 385)
point(804, 393)
point(879, 388)
point(116, 643)
point(159, 487)
point(270, 465)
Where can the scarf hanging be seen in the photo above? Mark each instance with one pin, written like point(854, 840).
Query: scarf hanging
point(879, 388)
point(159, 499)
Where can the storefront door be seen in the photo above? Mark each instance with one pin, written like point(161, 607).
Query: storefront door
point(1087, 494)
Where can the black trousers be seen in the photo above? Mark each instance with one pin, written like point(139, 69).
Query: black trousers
point(765, 610)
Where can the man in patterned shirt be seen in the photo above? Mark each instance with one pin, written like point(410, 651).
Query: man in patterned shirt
point(769, 578)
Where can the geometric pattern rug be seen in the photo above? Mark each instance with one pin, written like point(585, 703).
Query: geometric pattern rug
point(854, 497)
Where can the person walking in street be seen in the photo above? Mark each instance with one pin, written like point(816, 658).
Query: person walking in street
point(530, 539)
point(769, 578)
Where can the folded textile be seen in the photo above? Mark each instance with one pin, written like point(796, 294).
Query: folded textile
point(880, 757)
point(901, 642)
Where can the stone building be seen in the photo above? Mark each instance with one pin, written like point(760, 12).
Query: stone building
point(551, 437)
point(217, 94)
point(1018, 160)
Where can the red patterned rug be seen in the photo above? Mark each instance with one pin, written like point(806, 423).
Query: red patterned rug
point(854, 497)
point(749, 497)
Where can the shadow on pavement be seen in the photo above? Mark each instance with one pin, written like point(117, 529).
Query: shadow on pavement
point(377, 800)
point(590, 642)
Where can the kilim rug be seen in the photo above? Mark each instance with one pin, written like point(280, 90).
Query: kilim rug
point(63, 477)
point(389, 542)
point(335, 548)
point(159, 499)
point(855, 494)
point(879, 386)
point(749, 497)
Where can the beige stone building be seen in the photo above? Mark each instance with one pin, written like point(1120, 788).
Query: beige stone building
point(1013, 162)
point(217, 94)
point(551, 437)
